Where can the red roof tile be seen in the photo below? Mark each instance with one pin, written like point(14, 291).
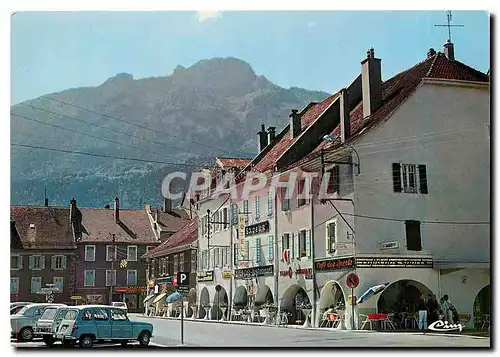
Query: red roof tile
point(233, 162)
point(100, 225)
point(51, 227)
point(186, 235)
point(173, 221)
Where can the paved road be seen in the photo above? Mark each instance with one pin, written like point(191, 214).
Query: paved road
point(38, 343)
point(204, 334)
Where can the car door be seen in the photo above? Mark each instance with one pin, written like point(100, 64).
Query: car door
point(121, 328)
point(102, 322)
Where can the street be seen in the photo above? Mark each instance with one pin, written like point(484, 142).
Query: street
point(206, 334)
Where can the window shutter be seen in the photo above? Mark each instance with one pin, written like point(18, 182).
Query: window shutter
point(20, 262)
point(308, 243)
point(280, 247)
point(30, 263)
point(221, 257)
point(247, 250)
point(53, 263)
point(42, 262)
point(328, 235)
point(257, 250)
point(235, 256)
point(396, 177)
point(270, 248)
point(422, 176)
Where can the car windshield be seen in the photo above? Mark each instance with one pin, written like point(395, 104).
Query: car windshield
point(23, 310)
point(71, 315)
point(15, 309)
point(48, 314)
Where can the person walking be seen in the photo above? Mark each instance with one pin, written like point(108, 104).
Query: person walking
point(422, 314)
point(447, 309)
point(432, 308)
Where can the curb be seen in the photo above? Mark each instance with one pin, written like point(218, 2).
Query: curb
point(310, 328)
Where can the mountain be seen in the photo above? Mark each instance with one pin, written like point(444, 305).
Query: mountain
point(215, 107)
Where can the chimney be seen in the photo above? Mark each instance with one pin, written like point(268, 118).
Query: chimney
point(262, 138)
point(345, 120)
point(371, 78)
point(156, 215)
point(271, 131)
point(431, 52)
point(72, 211)
point(167, 205)
point(294, 123)
point(46, 202)
point(449, 50)
point(117, 210)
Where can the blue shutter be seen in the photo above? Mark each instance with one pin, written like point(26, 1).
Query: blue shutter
point(247, 250)
point(235, 256)
point(308, 243)
point(270, 250)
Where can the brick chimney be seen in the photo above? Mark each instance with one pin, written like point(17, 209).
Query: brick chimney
point(345, 120)
point(262, 137)
point(294, 123)
point(271, 134)
point(46, 202)
point(449, 50)
point(167, 205)
point(431, 52)
point(371, 78)
point(117, 210)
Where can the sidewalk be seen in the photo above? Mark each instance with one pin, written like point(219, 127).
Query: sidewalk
point(311, 328)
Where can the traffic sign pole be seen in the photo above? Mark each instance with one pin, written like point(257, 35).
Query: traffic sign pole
point(352, 282)
point(182, 287)
point(352, 304)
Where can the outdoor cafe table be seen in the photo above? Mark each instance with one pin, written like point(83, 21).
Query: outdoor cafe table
point(224, 309)
point(307, 313)
point(195, 310)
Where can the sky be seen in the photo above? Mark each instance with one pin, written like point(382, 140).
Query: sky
point(317, 50)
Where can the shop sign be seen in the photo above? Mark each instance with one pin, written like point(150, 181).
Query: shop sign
point(376, 262)
point(289, 273)
point(334, 264)
point(95, 299)
point(259, 228)
point(250, 273)
point(76, 297)
point(164, 281)
point(130, 289)
point(241, 236)
point(389, 245)
point(205, 276)
point(226, 275)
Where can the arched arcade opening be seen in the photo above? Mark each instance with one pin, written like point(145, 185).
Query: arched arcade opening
point(204, 301)
point(220, 304)
point(294, 299)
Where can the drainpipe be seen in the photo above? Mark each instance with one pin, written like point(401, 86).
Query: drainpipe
point(277, 255)
point(314, 304)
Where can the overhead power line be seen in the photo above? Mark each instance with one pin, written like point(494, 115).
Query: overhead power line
point(137, 125)
point(423, 221)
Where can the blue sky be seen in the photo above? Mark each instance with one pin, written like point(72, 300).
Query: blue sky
point(321, 50)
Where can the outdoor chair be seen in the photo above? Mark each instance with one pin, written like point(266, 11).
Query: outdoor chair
point(464, 319)
point(366, 321)
point(486, 322)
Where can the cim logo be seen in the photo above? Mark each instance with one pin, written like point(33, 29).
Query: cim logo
point(443, 326)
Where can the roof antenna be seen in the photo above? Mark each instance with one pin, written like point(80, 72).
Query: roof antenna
point(449, 25)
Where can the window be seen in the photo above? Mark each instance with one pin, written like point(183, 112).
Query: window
point(285, 202)
point(225, 218)
point(14, 285)
point(245, 210)
point(36, 284)
point(333, 181)
point(270, 202)
point(37, 262)
point(110, 253)
point(176, 261)
point(118, 315)
point(110, 277)
point(330, 237)
point(406, 178)
point(90, 253)
point(89, 278)
point(413, 237)
point(257, 208)
point(16, 262)
point(132, 253)
point(59, 283)
point(181, 262)
point(100, 314)
point(234, 214)
point(258, 250)
point(286, 241)
point(193, 261)
point(169, 267)
point(302, 244)
point(270, 248)
point(58, 262)
point(131, 277)
point(301, 201)
point(227, 257)
point(216, 257)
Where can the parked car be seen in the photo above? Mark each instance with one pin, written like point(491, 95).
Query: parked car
point(16, 306)
point(47, 324)
point(22, 322)
point(94, 324)
point(120, 304)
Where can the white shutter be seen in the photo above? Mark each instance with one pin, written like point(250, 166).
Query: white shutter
point(296, 247)
point(247, 250)
point(64, 262)
point(257, 250)
point(280, 247)
point(53, 265)
point(221, 257)
point(31, 261)
point(42, 262)
point(270, 251)
point(308, 243)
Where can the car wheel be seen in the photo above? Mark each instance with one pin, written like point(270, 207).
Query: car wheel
point(26, 334)
point(144, 338)
point(86, 341)
point(48, 340)
point(124, 343)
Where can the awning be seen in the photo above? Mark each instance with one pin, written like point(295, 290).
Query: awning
point(159, 297)
point(149, 297)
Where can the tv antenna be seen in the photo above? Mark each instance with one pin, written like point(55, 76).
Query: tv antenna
point(449, 19)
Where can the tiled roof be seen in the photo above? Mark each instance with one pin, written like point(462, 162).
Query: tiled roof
point(51, 227)
point(173, 221)
point(233, 162)
point(186, 235)
point(310, 116)
point(100, 225)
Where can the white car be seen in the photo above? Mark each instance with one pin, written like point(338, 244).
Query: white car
point(120, 304)
point(22, 322)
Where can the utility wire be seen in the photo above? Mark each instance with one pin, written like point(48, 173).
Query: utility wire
point(137, 125)
point(108, 129)
point(101, 155)
point(89, 135)
point(421, 221)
